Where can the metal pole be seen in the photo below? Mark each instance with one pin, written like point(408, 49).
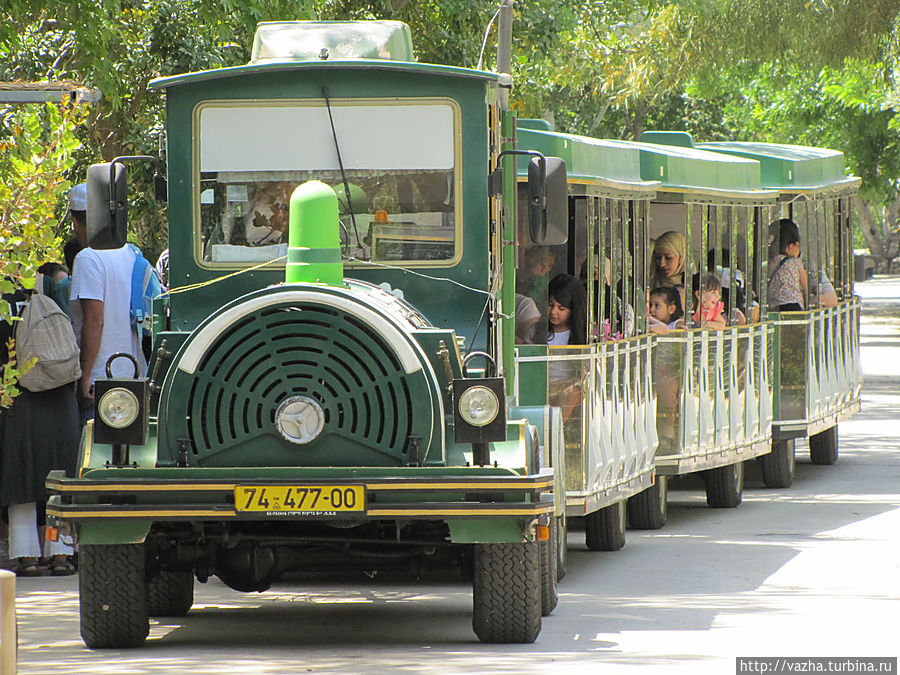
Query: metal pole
point(504, 47)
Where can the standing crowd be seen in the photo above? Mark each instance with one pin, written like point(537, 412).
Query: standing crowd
point(41, 430)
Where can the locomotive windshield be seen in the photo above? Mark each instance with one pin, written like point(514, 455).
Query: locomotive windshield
point(399, 161)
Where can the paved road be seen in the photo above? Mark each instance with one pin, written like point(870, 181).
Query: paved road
point(808, 571)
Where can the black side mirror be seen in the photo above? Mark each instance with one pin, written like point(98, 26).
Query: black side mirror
point(548, 203)
point(107, 200)
point(160, 189)
point(107, 209)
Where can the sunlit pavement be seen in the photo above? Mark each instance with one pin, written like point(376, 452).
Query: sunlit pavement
point(808, 571)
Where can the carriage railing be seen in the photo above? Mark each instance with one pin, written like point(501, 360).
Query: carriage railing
point(714, 396)
point(608, 403)
point(818, 375)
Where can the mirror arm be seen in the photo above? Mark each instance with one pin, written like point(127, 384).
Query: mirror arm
point(121, 160)
point(497, 174)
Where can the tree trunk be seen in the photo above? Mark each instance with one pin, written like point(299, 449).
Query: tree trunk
point(871, 232)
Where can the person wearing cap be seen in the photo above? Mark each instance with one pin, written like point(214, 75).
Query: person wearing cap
point(100, 304)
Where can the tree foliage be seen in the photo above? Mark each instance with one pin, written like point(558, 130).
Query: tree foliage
point(600, 67)
point(850, 107)
point(36, 147)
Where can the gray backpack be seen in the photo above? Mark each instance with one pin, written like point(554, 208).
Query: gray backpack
point(45, 333)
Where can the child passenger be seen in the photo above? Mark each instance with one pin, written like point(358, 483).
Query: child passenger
point(567, 305)
point(567, 318)
point(709, 311)
point(665, 311)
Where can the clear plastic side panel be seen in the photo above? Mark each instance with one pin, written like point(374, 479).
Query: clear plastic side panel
point(854, 347)
point(764, 357)
point(736, 367)
point(644, 403)
point(568, 383)
point(835, 358)
point(650, 400)
point(793, 363)
point(815, 367)
point(842, 353)
point(717, 357)
point(705, 386)
point(622, 434)
point(600, 446)
point(617, 412)
point(671, 360)
point(748, 383)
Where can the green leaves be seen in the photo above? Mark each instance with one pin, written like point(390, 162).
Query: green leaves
point(36, 146)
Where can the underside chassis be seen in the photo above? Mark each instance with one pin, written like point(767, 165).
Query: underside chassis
point(251, 556)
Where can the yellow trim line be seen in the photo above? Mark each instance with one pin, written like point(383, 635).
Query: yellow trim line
point(99, 486)
point(64, 515)
point(539, 508)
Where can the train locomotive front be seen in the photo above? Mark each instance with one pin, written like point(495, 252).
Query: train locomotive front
point(300, 419)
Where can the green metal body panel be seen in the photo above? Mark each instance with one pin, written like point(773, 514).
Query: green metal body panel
point(508, 250)
point(471, 531)
point(406, 67)
point(532, 375)
point(119, 531)
point(454, 305)
point(229, 377)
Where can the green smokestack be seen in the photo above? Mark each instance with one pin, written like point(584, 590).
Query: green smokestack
point(314, 248)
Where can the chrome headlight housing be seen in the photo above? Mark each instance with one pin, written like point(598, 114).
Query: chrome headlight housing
point(121, 410)
point(479, 406)
point(479, 413)
point(118, 408)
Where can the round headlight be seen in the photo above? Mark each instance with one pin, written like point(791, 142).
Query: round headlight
point(479, 406)
point(118, 408)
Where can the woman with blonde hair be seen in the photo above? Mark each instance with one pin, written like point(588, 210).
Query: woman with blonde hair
point(668, 260)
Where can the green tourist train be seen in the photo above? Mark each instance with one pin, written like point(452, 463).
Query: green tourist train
point(406, 331)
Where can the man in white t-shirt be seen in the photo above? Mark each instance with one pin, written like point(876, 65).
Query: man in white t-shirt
point(100, 303)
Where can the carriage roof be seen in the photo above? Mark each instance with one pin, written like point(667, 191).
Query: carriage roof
point(681, 169)
point(589, 160)
point(791, 167)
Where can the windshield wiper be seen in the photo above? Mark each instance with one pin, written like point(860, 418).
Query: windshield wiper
point(337, 148)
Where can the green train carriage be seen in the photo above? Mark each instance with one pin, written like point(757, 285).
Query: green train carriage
point(322, 417)
point(717, 408)
point(704, 404)
point(818, 376)
point(610, 432)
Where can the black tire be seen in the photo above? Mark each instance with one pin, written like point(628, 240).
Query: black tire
point(725, 486)
point(170, 593)
point(649, 509)
point(562, 544)
point(823, 447)
point(506, 592)
point(604, 530)
point(549, 571)
point(113, 595)
point(778, 466)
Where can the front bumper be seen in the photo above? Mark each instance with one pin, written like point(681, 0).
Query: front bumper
point(209, 494)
